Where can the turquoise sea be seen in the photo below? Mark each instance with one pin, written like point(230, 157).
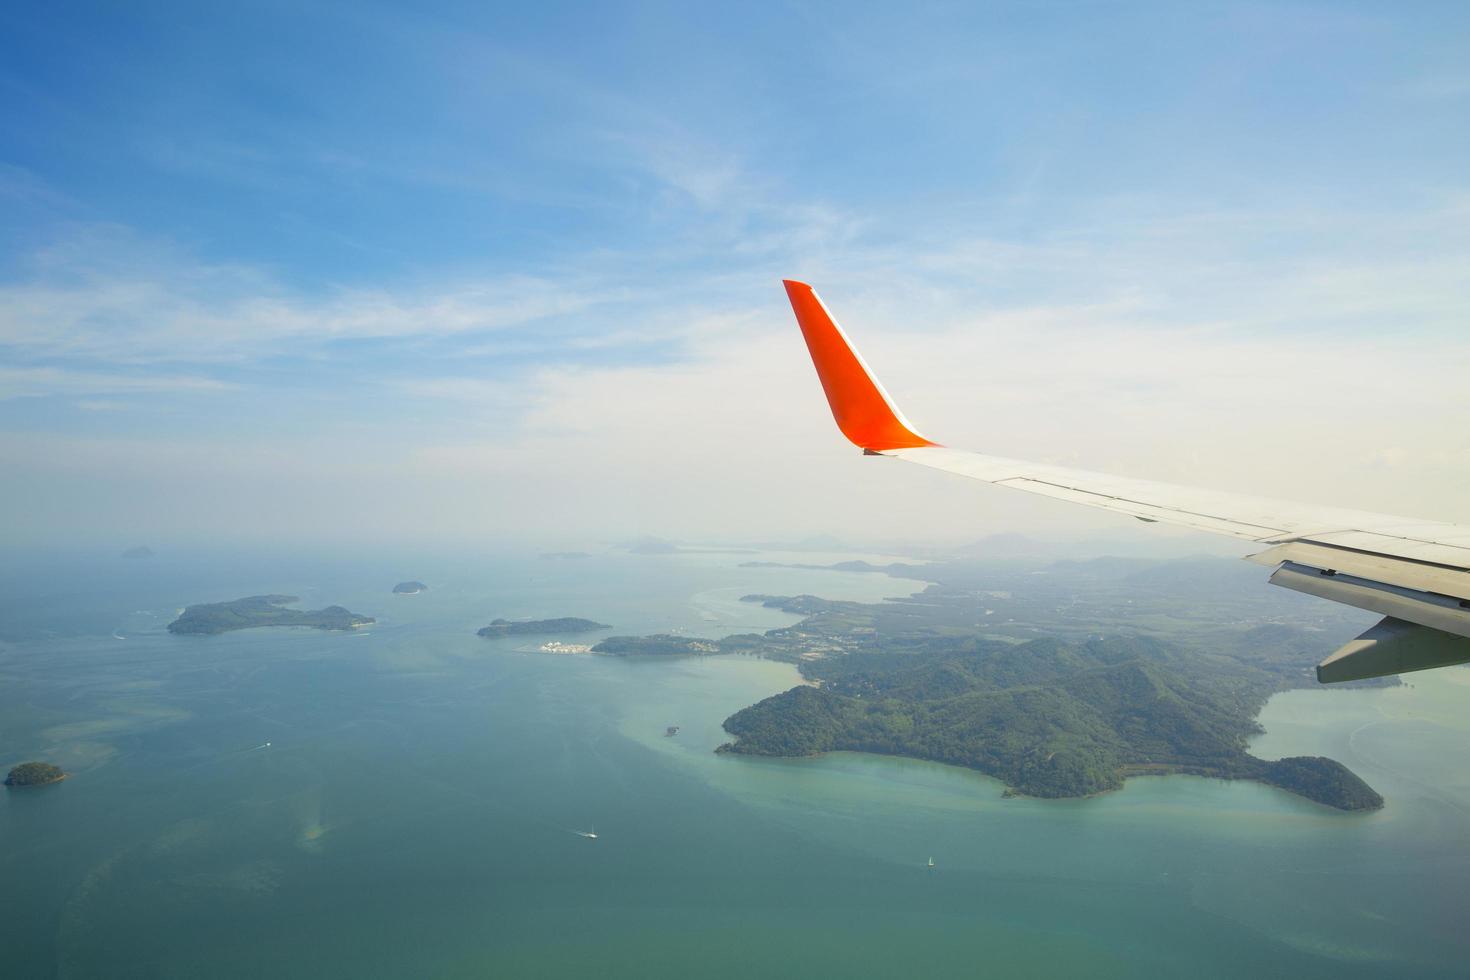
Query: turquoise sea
point(416, 811)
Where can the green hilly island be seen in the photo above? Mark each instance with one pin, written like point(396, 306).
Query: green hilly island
point(657, 645)
point(262, 610)
point(34, 774)
point(1049, 719)
point(535, 627)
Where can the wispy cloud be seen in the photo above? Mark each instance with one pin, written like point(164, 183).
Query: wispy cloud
point(108, 295)
point(37, 381)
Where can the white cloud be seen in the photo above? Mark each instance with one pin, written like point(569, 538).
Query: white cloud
point(1179, 352)
point(107, 295)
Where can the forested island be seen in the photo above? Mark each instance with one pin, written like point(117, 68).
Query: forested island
point(262, 610)
point(34, 774)
point(1048, 719)
point(535, 627)
point(657, 645)
point(1043, 678)
point(409, 588)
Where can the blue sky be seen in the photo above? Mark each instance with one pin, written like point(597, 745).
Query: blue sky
point(390, 264)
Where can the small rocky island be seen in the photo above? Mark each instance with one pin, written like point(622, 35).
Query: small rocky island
point(34, 774)
point(263, 610)
point(138, 551)
point(535, 627)
point(409, 588)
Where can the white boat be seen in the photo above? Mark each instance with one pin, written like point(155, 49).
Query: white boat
point(589, 834)
point(931, 862)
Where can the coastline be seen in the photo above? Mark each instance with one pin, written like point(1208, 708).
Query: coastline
point(49, 782)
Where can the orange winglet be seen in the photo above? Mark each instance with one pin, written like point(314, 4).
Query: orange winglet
point(863, 410)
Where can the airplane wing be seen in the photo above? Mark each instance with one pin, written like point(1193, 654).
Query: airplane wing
point(1415, 573)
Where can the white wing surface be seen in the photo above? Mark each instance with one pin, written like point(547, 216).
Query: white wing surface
point(1415, 573)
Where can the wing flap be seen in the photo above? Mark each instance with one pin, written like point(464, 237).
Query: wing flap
point(1430, 543)
point(1393, 647)
point(1424, 608)
point(1377, 566)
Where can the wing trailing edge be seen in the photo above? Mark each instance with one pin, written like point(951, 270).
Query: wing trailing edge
point(1416, 574)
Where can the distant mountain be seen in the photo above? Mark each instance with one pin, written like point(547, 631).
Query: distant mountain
point(138, 551)
point(1006, 545)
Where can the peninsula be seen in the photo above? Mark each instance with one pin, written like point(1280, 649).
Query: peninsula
point(34, 774)
point(1061, 680)
point(409, 588)
point(262, 610)
point(536, 627)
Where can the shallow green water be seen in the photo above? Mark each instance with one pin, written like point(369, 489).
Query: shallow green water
point(415, 813)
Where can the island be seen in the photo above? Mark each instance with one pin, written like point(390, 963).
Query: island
point(1080, 734)
point(1060, 679)
point(262, 610)
point(409, 588)
point(34, 774)
point(138, 551)
point(535, 627)
point(657, 645)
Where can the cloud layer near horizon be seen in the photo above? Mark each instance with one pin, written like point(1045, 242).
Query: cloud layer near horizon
point(608, 352)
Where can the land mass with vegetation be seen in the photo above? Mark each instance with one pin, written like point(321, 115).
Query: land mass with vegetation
point(262, 610)
point(409, 588)
point(659, 645)
point(1061, 681)
point(34, 774)
point(535, 627)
